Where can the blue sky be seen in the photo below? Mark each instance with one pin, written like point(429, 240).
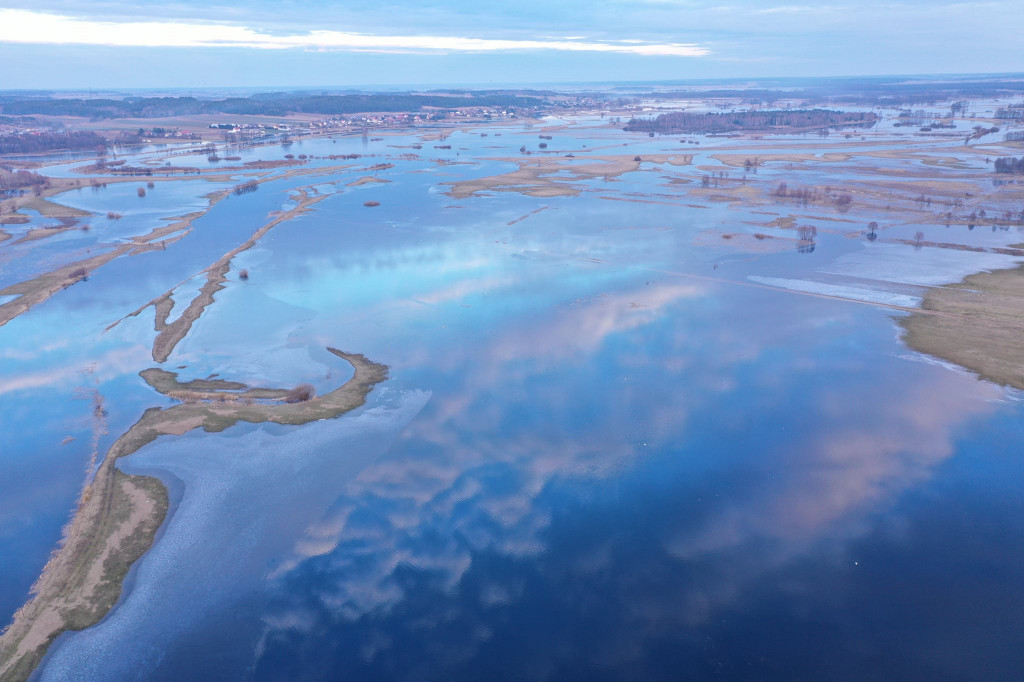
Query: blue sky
point(255, 43)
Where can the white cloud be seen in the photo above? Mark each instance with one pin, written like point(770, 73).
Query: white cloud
point(24, 26)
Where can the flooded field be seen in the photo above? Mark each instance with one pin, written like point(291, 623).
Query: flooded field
point(650, 410)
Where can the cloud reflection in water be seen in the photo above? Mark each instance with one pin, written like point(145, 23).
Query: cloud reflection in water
point(604, 467)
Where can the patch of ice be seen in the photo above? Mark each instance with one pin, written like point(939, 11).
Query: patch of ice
point(925, 266)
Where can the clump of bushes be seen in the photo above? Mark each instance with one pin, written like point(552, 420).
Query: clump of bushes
point(300, 394)
point(150, 184)
point(243, 275)
point(111, 215)
point(245, 188)
point(371, 204)
point(141, 191)
point(808, 233)
point(79, 274)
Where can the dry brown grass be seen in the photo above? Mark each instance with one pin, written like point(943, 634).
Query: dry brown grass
point(977, 324)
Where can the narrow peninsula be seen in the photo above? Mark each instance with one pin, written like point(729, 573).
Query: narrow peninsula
point(118, 515)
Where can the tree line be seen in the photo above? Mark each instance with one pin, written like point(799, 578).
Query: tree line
point(267, 105)
point(17, 179)
point(31, 143)
point(1009, 164)
point(686, 122)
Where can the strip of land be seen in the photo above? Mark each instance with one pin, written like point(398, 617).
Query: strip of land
point(119, 515)
point(38, 289)
point(553, 176)
point(169, 334)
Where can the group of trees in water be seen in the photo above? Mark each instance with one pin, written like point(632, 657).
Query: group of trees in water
point(808, 195)
point(1009, 164)
point(686, 122)
point(246, 188)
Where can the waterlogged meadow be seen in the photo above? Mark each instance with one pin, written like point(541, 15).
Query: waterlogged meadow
point(645, 415)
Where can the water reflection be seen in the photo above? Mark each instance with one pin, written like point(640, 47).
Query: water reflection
point(597, 495)
point(621, 471)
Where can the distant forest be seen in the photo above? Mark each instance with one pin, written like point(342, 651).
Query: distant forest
point(684, 122)
point(882, 91)
point(1009, 164)
point(25, 143)
point(271, 104)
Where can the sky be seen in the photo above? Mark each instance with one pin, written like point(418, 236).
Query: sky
point(64, 44)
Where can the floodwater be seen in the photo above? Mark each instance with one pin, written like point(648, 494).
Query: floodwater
point(605, 451)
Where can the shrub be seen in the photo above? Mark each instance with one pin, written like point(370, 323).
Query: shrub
point(243, 275)
point(246, 187)
point(371, 204)
point(141, 191)
point(300, 394)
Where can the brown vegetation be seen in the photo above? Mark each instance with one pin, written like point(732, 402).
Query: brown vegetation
point(245, 188)
point(300, 394)
point(976, 324)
